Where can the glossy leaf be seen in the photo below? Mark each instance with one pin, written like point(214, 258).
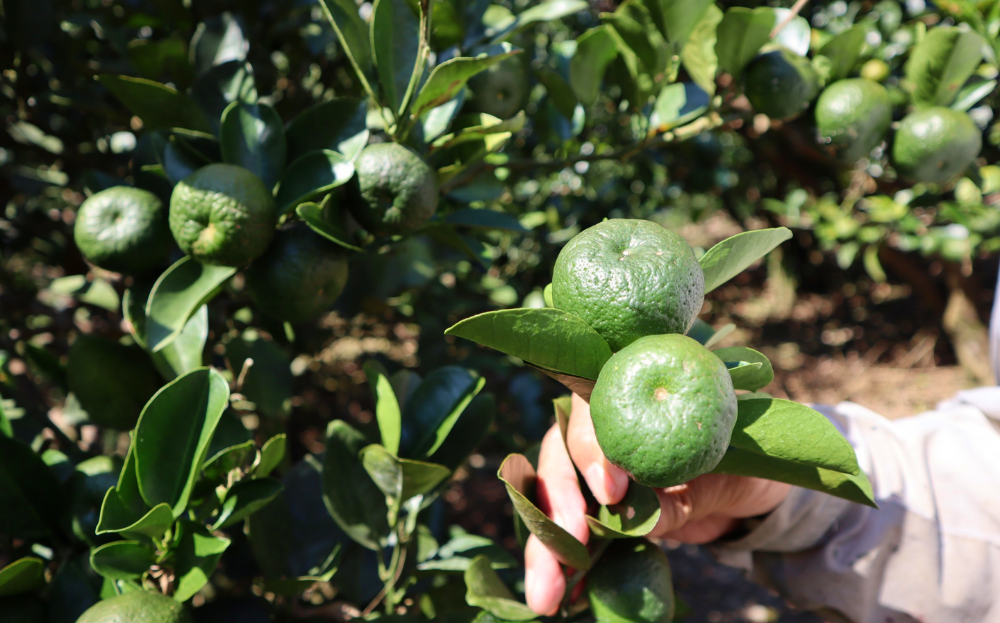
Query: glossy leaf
point(485, 589)
point(387, 411)
point(448, 78)
point(595, 49)
point(186, 352)
point(941, 63)
point(750, 378)
point(458, 554)
point(351, 31)
point(158, 105)
point(337, 125)
point(122, 560)
point(795, 35)
point(635, 516)
point(177, 295)
point(698, 55)
point(549, 338)
point(351, 496)
point(401, 479)
point(681, 17)
point(469, 431)
point(481, 218)
point(678, 104)
point(700, 331)
point(198, 553)
point(310, 176)
point(31, 498)
point(271, 454)
point(173, 435)
point(629, 22)
point(118, 517)
point(220, 86)
point(740, 35)
point(22, 575)
point(218, 40)
point(576, 384)
point(547, 11)
point(845, 50)
point(253, 137)
point(972, 94)
point(433, 409)
point(245, 498)
point(733, 255)
point(519, 478)
point(219, 465)
point(395, 40)
point(312, 214)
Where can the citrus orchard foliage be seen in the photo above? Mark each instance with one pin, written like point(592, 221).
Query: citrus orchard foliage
point(196, 188)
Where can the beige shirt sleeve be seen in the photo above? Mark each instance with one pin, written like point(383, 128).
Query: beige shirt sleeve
point(930, 553)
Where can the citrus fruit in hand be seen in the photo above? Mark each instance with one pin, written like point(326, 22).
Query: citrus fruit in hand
point(631, 583)
point(501, 90)
point(628, 278)
point(664, 409)
point(852, 117)
point(112, 381)
point(395, 191)
point(136, 607)
point(780, 83)
point(935, 144)
point(222, 214)
point(299, 277)
point(123, 229)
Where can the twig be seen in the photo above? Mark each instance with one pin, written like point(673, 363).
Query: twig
point(788, 18)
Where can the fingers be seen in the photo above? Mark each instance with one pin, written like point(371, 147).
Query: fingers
point(558, 491)
point(544, 582)
point(607, 482)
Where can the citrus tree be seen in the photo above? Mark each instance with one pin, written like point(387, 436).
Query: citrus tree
point(195, 190)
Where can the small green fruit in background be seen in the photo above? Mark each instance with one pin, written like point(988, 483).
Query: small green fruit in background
point(222, 214)
point(299, 277)
point(395, 191)
point(935, 144)
point(875, 69)
point(664, 409)
point(502, 89)
point(628, 278)
point(631, 583)
point(112, 381)
point(852, 117)
point(780, 84)
point(123, 229)
point(136, 607)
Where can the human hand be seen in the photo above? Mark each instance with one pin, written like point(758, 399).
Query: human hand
point(699, 511)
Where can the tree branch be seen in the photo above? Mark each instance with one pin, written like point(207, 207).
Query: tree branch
point(788, 18)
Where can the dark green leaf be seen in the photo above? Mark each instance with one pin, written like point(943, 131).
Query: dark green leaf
point(312, 214)
point(116, 516)
point(550, 338)
point(31, 498)
point(458, 553)
point(434, 408)
point(218, 465)
point(351, 31)
point(700, 331)
point(595, 49)
point(185, 352)
point(158, 105)
point(217, 40)
point(546, 11)
point(177, 295)
point(5, 428)
point(519, 477)
point(387, 412)
point(246, 498)
point(395, 40)
point(468, 432)
point(482, 218)
point(268, 379)
point(681, 17)
point(740, 35)
point(351, 496)
point(22, 575)
point(312, 175)
point(122, 560)
point(636, 515)
point(733, 255)
point(485, 590)
point(559, 91)
point(198, 553)
point(631, 22)
point(448, 78)
point(750, 378)
point(941, 63)
point(401, 479)
point(337, 124)
point(222, 85)
point(678, 104)
point(152, 59)
point(271, 455)
point(253, 137)
point(845, 50)
point(698, 55)
point(173, 435)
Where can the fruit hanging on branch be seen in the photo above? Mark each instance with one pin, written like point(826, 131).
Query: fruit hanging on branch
point(124, 230)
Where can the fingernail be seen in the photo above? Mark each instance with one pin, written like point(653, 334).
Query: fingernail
point(601, 482)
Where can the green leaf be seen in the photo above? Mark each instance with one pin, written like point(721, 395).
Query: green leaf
point(546, 11)
point(351, 496)
point(158, 105)
point(700, 331)
point(698, 55)
point(217, 40)
point(519, 477)
point(118, 517)
point(677, 104)
point(122, 560)
point(971, 94)
point(845, 50)
point(310, 176)
point(253, 137)
point(752, 377)
point(128, 484)
point(433, 409)
point(22, 575)
point(219, 464)
point(401, 479)
point(595, 49)
point(185, 352)
point(177, 295)
point(31, 498)
point(450, 77)
point(351, 31)
point(395, 41)
point(312, 214)
point(733, 255)
point(576, 384)
point(796, 35)
point(468, 433)
point(485, 589)
point(740, 35)
point(458, 554)
point(220, 86)
point(941, 63)
point(198, 553)
point(559, 91)
point(173, 435)
point(271, 454)
point(681, 17)
point(387, 411)
point(631, 22)
point(550, 338)
point(721, 334)
point(268, 382)
point(792, 432)
point(5, 428)
point(635, 516)
point(337, 124)
point(245, 498)
point(484, 218)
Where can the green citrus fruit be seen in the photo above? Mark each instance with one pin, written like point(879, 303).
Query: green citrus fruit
point(112, 381)
point(631, 583)
point(935, 144)
point(501, 90)
point(875, 69)
point(395, 191)
point(664, 408)
point(780, 83)
point(629, 278)
point(299, 277)
point(123, 229)
point(222, 214)
point(136, 607)
point(852, 117)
